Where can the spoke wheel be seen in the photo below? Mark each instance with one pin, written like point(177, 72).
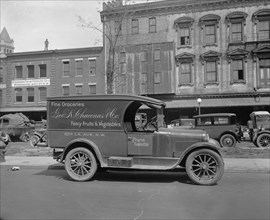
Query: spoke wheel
point(263, 140)
point(205, 167)
point(227, 140)
point(34, 139)
point(80, 164)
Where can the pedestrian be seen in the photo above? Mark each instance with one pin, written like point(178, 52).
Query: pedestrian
point(4, 139)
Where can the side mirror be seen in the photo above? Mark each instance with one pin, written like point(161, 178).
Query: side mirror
point(250, 124)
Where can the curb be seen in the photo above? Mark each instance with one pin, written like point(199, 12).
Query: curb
point(232, 165)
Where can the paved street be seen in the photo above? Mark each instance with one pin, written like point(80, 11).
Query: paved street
point(36, 193)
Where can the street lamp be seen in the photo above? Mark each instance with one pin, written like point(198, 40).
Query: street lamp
point(199, 100)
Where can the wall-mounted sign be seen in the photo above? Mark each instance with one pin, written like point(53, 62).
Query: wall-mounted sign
point(30, 82)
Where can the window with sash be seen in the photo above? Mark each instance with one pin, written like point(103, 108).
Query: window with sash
point(211, 71)
point(42, 94)
point(238, 70)
point(135, 26)
point(185, 73)
point(31, 71)
point(18, 95)
point(19, 72)
point(30, 94)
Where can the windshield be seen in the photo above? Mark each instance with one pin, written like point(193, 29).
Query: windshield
point(263, 121)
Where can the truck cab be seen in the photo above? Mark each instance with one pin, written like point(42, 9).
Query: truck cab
point(259, 128)
point(87, 132)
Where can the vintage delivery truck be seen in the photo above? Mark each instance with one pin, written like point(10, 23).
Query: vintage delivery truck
point(100, 131)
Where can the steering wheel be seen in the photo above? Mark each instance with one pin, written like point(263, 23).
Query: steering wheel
point(151, 122)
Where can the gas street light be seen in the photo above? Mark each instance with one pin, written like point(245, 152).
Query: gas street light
point(199, 100)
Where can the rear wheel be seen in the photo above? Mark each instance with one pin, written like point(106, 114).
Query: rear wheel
point(34, 139)
point(205, 167)
point(263, 140)
point(80, 164)
point(227, 140)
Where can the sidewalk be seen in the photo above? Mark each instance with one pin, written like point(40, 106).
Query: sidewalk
point(244, 165)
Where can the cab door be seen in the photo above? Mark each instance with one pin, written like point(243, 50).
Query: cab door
point(140, 143)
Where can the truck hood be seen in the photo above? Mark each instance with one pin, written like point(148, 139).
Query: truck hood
point(199, 135)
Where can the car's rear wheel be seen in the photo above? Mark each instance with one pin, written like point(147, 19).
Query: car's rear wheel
point(80, 164)
point(263, 140)
point(204, 167)
point(227, 140)
point(34, 139)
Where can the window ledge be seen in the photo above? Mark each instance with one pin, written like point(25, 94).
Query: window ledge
point(239, 82)
point(186, 84)
point(184, 46)
point(211, 84)
point(210, 45)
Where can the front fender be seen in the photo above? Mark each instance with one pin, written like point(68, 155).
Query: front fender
point(256, 134)
point(211, 145)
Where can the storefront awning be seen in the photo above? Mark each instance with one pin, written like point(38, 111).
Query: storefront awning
point(219, 102)
point(22, 109)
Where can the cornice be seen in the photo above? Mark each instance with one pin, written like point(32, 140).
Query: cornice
point(210, 96)
point(179, 6)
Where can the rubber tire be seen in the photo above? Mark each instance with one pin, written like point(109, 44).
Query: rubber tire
point(192, 162)
point(25, 137)
point(261, 138)
point(90, 171)
point(227, 140)
point(34, 139)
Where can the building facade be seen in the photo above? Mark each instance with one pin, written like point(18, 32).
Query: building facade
point(179, 51)
point(30, 77)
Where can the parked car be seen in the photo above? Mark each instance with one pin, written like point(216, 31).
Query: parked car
point(220, 126)
point(183, 123)
point(259, 128)
point(87, 132)
point(17, 126)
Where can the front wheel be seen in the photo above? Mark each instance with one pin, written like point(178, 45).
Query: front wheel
point(204, 167)
point(227, 140)
point(80, 164)
point(263, 140)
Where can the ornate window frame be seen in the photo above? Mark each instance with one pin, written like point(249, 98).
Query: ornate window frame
point(260, 15)
point(184, 22)
point(209, 19)
point(236, 17)
point(211, 56)
point(238, 54)
point(181, 59)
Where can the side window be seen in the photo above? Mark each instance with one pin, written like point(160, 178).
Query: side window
point(204, 121)
point(221, 120)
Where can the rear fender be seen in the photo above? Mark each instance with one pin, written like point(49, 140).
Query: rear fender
point(83, 143)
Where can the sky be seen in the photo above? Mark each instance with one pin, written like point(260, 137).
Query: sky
point(30, 23)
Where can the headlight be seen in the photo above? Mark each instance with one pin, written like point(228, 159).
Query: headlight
point(206, 137)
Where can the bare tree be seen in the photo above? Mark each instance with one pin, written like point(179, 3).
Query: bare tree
point(112, 17)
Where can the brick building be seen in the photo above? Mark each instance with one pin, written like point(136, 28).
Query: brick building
point(182, 50)
point(28, 78)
